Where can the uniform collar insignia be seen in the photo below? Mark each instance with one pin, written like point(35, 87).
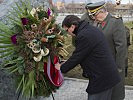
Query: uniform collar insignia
point(103, 24)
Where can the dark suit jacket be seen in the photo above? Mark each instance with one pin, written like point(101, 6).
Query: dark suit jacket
point(93, 54)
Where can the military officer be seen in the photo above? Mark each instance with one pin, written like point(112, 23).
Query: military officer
point(86, 16)
point(114, 31)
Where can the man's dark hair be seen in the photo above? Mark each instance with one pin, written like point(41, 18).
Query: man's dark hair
point(70, 20)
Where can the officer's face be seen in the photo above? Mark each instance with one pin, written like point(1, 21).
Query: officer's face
point(99, 16)
point(94, 15)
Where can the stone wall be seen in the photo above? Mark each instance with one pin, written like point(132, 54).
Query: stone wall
point(7, 87)
point(1, 1)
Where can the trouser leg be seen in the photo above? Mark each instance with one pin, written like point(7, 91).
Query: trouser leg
point(105, 95)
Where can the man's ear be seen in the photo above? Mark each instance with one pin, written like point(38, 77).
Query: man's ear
point(73, 26)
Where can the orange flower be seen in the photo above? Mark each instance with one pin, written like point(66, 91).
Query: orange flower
point(44, 39)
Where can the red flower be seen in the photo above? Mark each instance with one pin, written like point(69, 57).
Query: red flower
point(49, 12)
point(14, 39)
point(24, 21)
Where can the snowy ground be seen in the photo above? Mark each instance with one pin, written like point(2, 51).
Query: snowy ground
point(74, 89)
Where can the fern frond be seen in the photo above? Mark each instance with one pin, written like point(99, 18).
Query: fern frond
point(6, 50)
point(4, 35)
point(6, 54)
point(9, 68)
point(19, 8)
point(5, 28)
point(6, 46)
point(17, 12)
point(28, 5)
point(24, 85)
point(29, 88)
point(18, 22)
point(5, 38)
point(16, 69)
point(32, 88)
point(20, 83)
point(23, 4)
point(14, 14)
point(10, 62)
point(5, 42)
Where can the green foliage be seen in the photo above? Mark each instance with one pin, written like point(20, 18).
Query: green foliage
point(4, 28)
point(42, 14)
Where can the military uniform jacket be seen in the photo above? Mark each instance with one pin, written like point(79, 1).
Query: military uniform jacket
point(114, 31)
point(92, 53)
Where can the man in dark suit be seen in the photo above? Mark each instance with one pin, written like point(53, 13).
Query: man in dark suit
point(114, 32)
point(93, 54)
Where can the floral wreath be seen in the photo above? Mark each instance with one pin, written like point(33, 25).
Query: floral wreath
point(30, 49)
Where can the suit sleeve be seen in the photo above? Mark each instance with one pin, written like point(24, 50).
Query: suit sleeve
point(120, 43)
point(82, 48)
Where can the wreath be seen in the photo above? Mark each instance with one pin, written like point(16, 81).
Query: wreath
point(30, 47)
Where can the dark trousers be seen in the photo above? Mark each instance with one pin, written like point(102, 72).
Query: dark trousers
point(105, 95)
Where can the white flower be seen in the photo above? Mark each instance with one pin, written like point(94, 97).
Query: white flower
point(33, 11)
point(43, 53)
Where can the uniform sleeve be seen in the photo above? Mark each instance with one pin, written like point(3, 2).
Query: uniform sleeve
point(120, 43)
point(86, 17)
point(82, 49)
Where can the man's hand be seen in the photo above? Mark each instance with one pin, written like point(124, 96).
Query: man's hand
point(58, 65)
